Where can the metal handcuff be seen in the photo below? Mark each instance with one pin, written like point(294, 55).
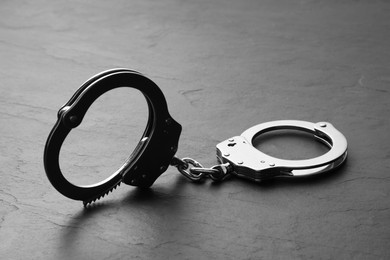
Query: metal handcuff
point(159, 143)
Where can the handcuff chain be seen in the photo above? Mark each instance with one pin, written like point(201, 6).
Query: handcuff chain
point(198, 173)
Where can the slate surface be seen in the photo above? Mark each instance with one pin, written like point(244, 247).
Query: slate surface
point(223, 67)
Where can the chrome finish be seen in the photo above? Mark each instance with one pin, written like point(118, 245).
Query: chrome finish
point(184, 168)
point(198, 173)
point(248, 162)
point(160, 137)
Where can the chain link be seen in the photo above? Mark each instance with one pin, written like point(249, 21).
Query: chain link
point(194, 171)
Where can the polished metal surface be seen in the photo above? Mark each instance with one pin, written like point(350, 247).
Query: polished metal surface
point(253, 164)
point(223, 66)
point(158, 142)
point(195, 171)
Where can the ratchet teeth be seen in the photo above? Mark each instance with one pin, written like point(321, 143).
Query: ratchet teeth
point(98, 197)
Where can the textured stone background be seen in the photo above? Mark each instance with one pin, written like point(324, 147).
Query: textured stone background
point(223, 66)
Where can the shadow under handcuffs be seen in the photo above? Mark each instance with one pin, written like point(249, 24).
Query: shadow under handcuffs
point(135, 199)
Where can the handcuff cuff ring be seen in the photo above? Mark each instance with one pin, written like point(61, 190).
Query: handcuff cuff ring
point(248, 162)
point(143, 167)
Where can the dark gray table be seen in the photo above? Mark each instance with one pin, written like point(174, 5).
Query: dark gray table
point(223, 66)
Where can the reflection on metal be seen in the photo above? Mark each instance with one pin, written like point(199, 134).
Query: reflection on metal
point(158, 144)
point(160, 137)
point(248, 162)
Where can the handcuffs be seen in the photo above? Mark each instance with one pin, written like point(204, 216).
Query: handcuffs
point(159, 142)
